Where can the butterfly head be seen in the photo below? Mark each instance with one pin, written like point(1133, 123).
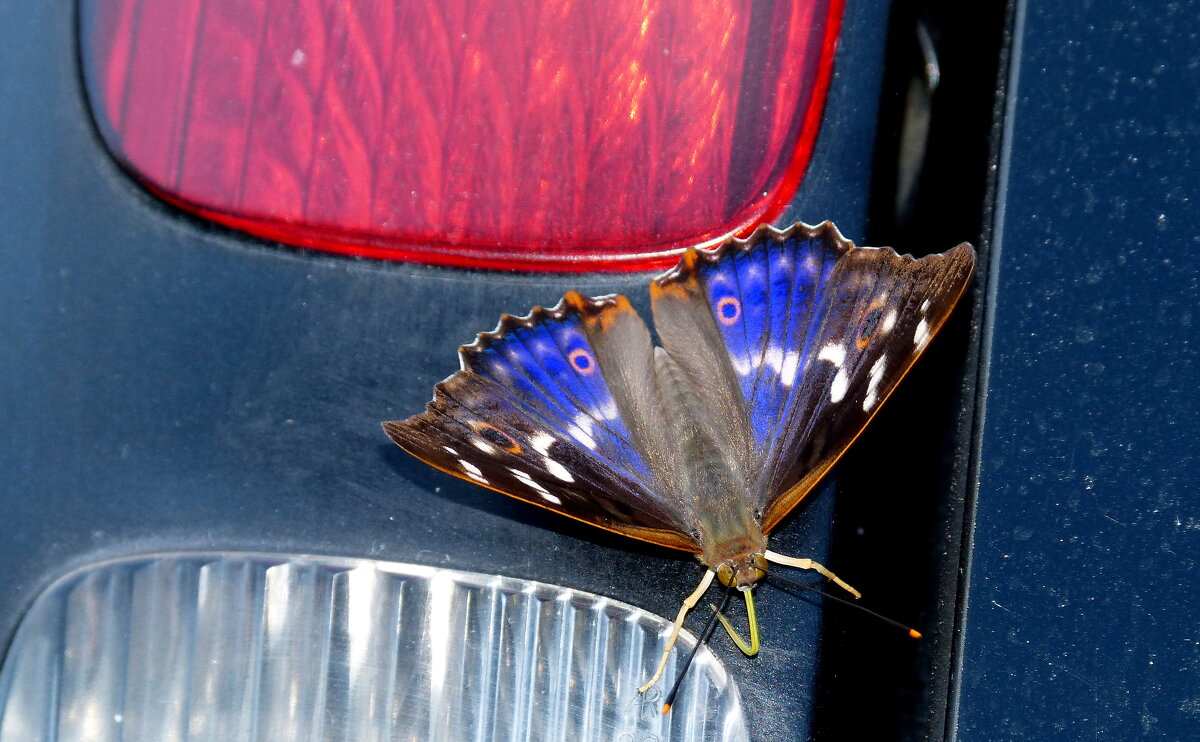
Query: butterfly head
point(743, 571)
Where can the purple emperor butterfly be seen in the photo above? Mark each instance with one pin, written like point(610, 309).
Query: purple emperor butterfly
point(778, 350)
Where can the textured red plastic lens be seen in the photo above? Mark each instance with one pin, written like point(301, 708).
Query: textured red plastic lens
point(552, 134)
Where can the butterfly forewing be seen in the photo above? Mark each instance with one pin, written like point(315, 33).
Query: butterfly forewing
point(881, 311)
point(532, 415)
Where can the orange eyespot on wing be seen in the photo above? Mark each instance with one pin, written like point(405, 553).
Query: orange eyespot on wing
point(494, 436)
point(582, 361)
point(870, 323)
point(729, 310)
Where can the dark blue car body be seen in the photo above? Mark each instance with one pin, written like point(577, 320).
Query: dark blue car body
point(1028, 497)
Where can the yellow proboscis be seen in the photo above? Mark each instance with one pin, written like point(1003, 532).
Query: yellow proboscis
point(748, 648)
point(751, 647)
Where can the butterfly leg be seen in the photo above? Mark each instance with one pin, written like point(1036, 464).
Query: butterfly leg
point(788, 561)
point(748, 648)
point(688, 604)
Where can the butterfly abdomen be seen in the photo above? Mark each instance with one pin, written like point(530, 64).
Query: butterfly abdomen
point(710, 475)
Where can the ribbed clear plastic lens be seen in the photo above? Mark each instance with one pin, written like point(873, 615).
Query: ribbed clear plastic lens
point(268, 647)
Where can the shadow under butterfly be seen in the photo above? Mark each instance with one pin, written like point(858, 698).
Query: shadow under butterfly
point(778, 350)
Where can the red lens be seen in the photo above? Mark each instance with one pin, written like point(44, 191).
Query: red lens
point(545, 134)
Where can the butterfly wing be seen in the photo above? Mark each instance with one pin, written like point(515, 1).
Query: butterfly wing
point(560, 409)
point(814, 333)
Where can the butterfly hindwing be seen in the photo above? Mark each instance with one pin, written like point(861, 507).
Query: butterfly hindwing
point(558, 409)
point(766, 302)
point(547, 361)
point(813, 331)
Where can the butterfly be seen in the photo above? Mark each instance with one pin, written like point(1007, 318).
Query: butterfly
point(777, 350)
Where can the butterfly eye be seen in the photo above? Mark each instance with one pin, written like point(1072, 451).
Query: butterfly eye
point(582, 361)
point(728, 310)
point(758, 564)
point(870, 324)
point(725, 574)
point(496, 437)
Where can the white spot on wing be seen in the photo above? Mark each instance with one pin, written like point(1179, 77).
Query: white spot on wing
point(483, 445)
point(834, 353)
point(791, 364)
point(889, 321)
point(449, 450)
point(774, 357)
point(541, 443)
point(924, 306)
point(558, 470)
point(742, 365)
point(472, 471)
point(921, 336)
point(837, 389)
point(527, 480)
point(873, 380)
point(581, 433)
point(786, 365)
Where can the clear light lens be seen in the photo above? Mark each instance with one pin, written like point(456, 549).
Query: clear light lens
point(271, 647)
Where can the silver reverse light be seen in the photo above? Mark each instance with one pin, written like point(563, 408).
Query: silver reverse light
point(260, 647)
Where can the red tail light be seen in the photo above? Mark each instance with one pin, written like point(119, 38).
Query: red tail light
point(551, 134)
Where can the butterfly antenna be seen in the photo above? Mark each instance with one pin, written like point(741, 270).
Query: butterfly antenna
point(774, 579)
point(704, 637)
point(788, 561)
